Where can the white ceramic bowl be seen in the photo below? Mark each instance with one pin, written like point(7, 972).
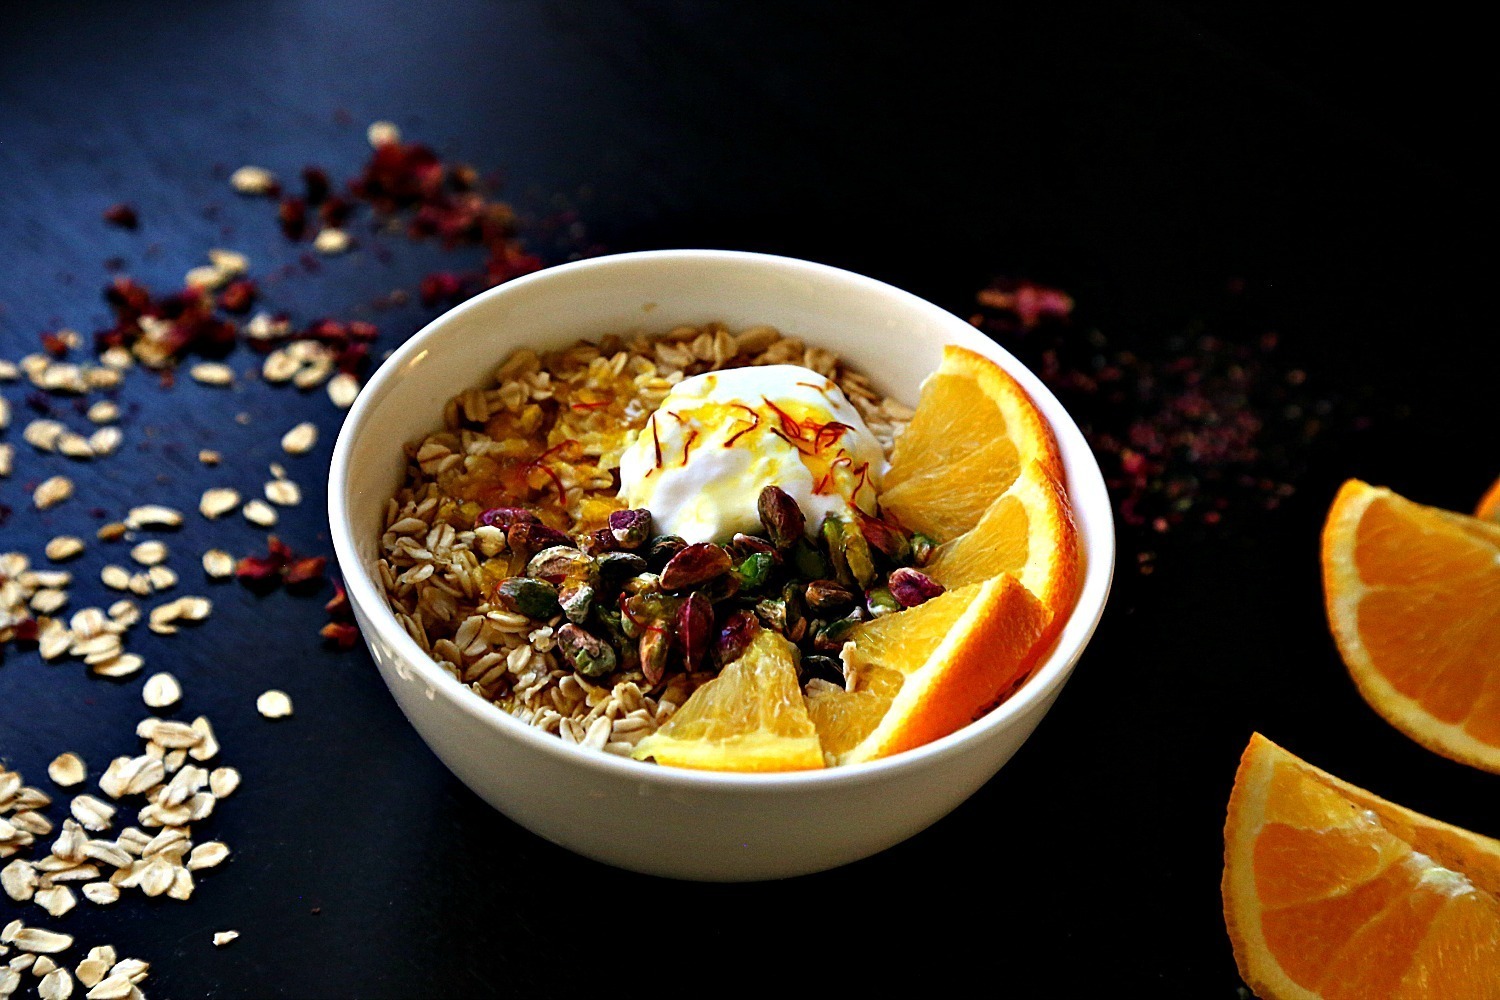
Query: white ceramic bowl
point(659, 820)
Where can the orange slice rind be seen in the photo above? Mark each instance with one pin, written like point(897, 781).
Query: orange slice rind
point(1332, 893)
point(1413, 600)
point(918, 675)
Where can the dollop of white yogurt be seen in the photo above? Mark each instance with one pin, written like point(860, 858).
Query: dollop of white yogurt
point(718, 439)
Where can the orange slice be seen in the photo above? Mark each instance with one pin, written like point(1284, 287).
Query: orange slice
point(920, 674)
point(1489, 504)
point(1413, 596)
point(973, 432)
point(1028, 532)
point(749, 718)
point(1331, 893)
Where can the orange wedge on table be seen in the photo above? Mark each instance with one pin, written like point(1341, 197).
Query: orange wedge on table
point(923, 673)
point(1489, 504)
point(974, 431)
point(1413, 598)
point(749, 718)
point(1331, 893)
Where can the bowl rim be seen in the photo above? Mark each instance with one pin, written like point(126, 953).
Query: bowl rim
point(1045, 681)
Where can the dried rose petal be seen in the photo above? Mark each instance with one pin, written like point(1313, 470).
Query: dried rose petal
point(338, 607)
point(314, 184)
point(258, 570)
point(343, 635)
point(238, 296)
point(55, 345)
point(440, 286)
point(122, 215)
point(292, 216)
point(335, 212)
point(305, 570)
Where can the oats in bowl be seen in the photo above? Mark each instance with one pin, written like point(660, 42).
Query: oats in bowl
point(531, 465)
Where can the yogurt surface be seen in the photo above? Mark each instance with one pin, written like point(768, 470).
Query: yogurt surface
point(719, 438)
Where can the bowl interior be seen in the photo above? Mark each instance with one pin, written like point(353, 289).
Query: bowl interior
point(893, 337)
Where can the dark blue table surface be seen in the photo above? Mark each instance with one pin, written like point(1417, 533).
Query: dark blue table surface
point(1138, 157)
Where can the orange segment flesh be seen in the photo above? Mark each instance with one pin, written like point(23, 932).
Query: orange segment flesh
point(973, 431)
point(749, 718)
point(1489, 504)
point(1028, 532)
point(1331, 892)
point(920, 674)
point(1413, 598)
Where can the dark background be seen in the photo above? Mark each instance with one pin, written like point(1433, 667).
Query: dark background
point(1139, 155)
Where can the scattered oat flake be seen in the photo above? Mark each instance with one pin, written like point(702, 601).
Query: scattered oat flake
point(208, 456)
point(274, 704)
point(51, 492)
point(161, 690)
point(105, 440)
point(114, 987)
point(207, 855)
point(212, 373)
point(55, 899)
point(382, 133)
point(218, 501)
point(331, 241)
point(300, 439)
point(67, 769)
point(101, 893)
point(63, 547)
point(283, 492)
point(150, 553)
point(259, 512)
point(153, 516)
point(342, 390)
point(222, 781)
point(104, 412)
point(92, 813)
point(221, 938)
point(218, 564)
point(254, 181)
point(56, 984)
point(38, 941)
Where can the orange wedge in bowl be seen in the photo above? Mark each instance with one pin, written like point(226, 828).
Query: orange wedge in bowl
point(1331, 893)
point(749, 718)
point(974, 431)
point(1413, 598)
point(1027, 532)
point(920, 674)
point(1489, 504)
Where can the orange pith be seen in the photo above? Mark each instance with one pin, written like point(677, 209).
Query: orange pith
point(1331, 892)
point(974, 430)
point(1413, 599)
point(921, 674)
